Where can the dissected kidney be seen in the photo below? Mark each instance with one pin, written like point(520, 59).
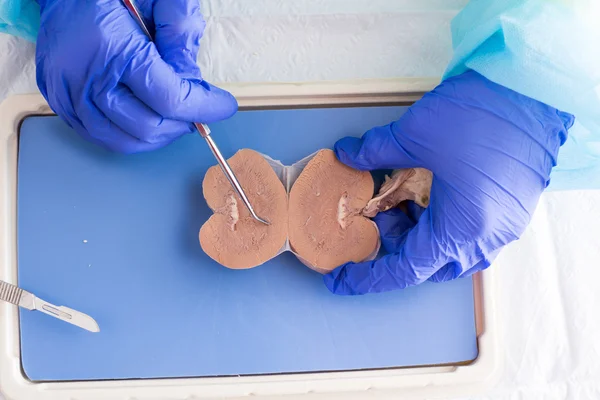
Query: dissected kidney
point(326, 228)
point(231, 236)
point(321, 216)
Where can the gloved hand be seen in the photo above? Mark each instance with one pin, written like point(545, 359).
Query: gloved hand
point(103, 76)
point(491, 151)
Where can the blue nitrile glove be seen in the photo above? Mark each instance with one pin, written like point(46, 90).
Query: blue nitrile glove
point(491, 151)
point(103, 76)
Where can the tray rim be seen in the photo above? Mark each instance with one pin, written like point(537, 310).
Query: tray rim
point(433, 381)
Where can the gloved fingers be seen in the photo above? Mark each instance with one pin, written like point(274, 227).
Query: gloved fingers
point(155, 83)
point(418, 258)
point(379, 148)
point(98, 129)
point(179, 28)
point(135, 118)
point(394, 225)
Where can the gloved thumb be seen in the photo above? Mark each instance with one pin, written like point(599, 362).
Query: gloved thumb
point(179, 26)
point(379, 148)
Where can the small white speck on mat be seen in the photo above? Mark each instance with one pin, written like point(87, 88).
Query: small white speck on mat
point(84, 241)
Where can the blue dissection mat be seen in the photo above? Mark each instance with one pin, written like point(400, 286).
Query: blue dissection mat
point(116, 237)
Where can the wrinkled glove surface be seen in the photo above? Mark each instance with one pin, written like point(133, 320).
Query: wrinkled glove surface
point(108, 81)
point(491, 151)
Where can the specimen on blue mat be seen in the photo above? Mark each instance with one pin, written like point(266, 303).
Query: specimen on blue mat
point(321, 222)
